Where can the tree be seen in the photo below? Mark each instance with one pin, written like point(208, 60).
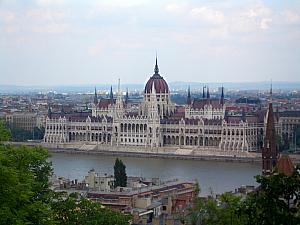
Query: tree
point(72, 210)
point(5, 134)
point(24, 185)
point(25, 196)
point(297, 135)
point(120, 174)
point(276, 201)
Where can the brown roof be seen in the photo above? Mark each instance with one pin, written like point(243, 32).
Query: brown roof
point(285, 165)
point(160, 84)
point(104, 103)
point(200, 103)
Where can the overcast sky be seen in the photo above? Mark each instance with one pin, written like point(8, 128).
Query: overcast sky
point(44, 42)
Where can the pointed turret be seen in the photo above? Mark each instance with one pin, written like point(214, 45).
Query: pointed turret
point(111, 95)
point(270, 150)
point(49, 111)
point(156, 70)
point(62, 110)
point(126, 96)
point(119, 101)
point(95, 97)
point(243, 115)
point(222, 96)
point(189, 100)
point(207, 93)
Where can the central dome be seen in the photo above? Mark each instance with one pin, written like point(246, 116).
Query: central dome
point(160, 84)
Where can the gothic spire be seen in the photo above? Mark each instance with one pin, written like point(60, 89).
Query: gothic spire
point(189, 100)
point(111, 94)
point(156, 70)
point(95, 97)
point(271, 91)
point(49, 111)
point(207, 93)
point(62, 110)
point(222, 96)
point(269, 152)
point(126, 96)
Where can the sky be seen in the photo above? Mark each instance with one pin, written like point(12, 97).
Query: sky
point(71, 42)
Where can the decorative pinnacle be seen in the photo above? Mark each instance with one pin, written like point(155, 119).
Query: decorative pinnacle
point(156, 70)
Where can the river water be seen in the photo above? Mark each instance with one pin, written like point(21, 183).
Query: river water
point(211, 175)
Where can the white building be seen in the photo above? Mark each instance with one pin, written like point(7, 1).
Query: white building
point(201, 124)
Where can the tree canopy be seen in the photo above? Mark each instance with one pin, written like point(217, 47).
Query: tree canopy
point(120, 174)
point(25, 196)
point(275, 202)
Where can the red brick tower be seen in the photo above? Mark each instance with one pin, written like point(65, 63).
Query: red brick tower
point(269, 151)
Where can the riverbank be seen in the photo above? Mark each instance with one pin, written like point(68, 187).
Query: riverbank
point(158, 155)
point(203, 154)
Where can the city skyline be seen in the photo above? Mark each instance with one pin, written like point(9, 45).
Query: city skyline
point(64, 42)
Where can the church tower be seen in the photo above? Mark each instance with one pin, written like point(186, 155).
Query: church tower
point(270, 148)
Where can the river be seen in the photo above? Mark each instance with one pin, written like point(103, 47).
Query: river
point(211, 175)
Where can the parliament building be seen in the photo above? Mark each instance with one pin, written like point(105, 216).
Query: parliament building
point(157, 122)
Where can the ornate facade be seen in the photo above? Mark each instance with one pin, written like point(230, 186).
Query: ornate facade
point(157, 122)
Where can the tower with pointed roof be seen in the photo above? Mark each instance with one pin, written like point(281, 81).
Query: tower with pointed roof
point(95, 97)
point(119, 103)
point(111, 95)
point(154, 120)
point(164, 104)
point(126, 97)
point(222, 96)
point(270, 148)
point(207, 93)
point(49, 111)
point(189, 100)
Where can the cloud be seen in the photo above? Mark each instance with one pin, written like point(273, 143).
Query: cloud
point(51, 28)
point(265, 23)
point(46, 3)
point(46, 14)
point(46, 20)
point(7, 16)
point(208, 14)
point(96, 49)
point(290, 16)
point(251, 19)
point(176, 8)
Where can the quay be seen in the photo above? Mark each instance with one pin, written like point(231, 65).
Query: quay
point(204, 154)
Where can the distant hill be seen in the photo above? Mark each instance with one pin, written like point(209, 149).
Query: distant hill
point(178, 85)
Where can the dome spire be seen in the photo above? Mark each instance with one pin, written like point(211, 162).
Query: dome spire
point(156, 70)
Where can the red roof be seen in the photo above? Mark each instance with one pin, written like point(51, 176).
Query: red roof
point(285, 165)
point(104, 103)
point(160, 84)
point(200, 103)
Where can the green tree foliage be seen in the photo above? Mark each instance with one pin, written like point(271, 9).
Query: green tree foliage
point(5, 134)
point(297, 134)
point(24, 185)
point(20, 134)
point(72, 210)
point(276, 202)
point(25, 196)
point(120, 174)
